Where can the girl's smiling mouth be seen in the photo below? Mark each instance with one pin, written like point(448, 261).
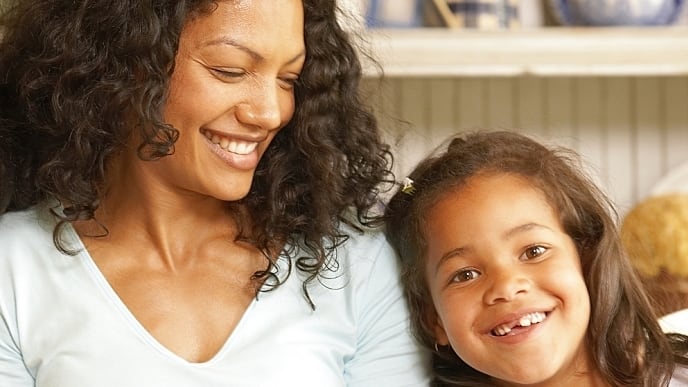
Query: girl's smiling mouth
point(526, 320)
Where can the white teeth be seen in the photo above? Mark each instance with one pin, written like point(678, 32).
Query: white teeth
point(525, 321)
point(234, 146)
point(241, 147)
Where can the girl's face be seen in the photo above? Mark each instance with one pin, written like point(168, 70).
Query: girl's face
point(506, 283)
point(232, 90)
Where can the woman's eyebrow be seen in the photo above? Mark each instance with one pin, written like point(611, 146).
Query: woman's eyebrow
point(255, 55)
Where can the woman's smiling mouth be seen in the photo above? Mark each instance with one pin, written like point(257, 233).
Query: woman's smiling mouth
point(231, 145)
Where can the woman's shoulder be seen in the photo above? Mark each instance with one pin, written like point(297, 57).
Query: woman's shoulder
point(363, 238)
point(366, 248)
point(24, 223)
point(25, 236)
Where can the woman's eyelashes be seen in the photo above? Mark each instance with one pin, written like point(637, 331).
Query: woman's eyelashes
point(230, 75)
point(286, 82)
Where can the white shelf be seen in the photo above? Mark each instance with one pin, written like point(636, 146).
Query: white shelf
point(553, 51)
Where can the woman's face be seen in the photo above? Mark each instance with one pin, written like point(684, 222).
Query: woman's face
point(507, 284)
point(232, 90)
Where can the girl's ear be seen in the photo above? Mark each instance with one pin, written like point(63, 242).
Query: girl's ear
point(440, 334)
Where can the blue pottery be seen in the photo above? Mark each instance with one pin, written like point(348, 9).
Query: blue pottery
point(615, 12)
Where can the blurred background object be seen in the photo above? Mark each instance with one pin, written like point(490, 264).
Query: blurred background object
point(531, 13)
point(674, 181)
point(394, 13)
point(615, 12)
point(485, 14)
point(468, 14)
point(511, 14)
point(655, 234)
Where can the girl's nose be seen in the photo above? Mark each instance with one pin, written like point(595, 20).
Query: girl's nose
point(506, 284)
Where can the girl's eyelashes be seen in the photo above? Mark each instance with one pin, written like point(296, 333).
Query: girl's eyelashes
point(465, 275)
point(533, 252)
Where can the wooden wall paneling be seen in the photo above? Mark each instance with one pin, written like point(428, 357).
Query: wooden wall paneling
point(472, 99)
point(650, 142)
point(500, 103)
point(632, 130)
point(529, 102)
point(443, 106)
point(676, 120)
point(413, 108)
point(559, 111)
point(589, 127)
point(619, 128)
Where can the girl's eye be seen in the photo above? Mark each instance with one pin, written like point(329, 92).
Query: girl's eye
point(533, 252)
point(465, 275)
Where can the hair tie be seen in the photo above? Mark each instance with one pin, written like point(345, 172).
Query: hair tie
point(407, 186)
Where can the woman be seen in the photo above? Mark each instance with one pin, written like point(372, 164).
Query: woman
point(186, 186)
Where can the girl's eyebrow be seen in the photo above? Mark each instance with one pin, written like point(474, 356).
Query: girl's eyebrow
point(523, 228)
point(450, 254)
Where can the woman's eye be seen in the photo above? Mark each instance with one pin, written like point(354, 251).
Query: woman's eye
point(465, 275)
point(533, 252)
point(227, 74)
point(289, 83)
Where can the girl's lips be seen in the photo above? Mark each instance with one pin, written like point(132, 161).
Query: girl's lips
point(518, 320)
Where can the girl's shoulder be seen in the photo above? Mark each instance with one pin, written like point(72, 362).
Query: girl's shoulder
point(676, 322)
point(680, 378)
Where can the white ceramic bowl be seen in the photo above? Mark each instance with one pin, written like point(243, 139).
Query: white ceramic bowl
point(615, 12)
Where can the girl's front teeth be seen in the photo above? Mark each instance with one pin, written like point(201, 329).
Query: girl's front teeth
point(525, 321)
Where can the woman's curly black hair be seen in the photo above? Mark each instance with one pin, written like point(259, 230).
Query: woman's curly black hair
point(627, 344)
point(77, 77)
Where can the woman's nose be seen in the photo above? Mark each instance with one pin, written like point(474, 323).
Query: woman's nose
point(506, 284)
point(262, 108)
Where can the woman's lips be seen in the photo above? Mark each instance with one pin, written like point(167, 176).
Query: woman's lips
point(240, 147)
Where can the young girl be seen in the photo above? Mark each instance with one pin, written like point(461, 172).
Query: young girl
point(515, 274)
